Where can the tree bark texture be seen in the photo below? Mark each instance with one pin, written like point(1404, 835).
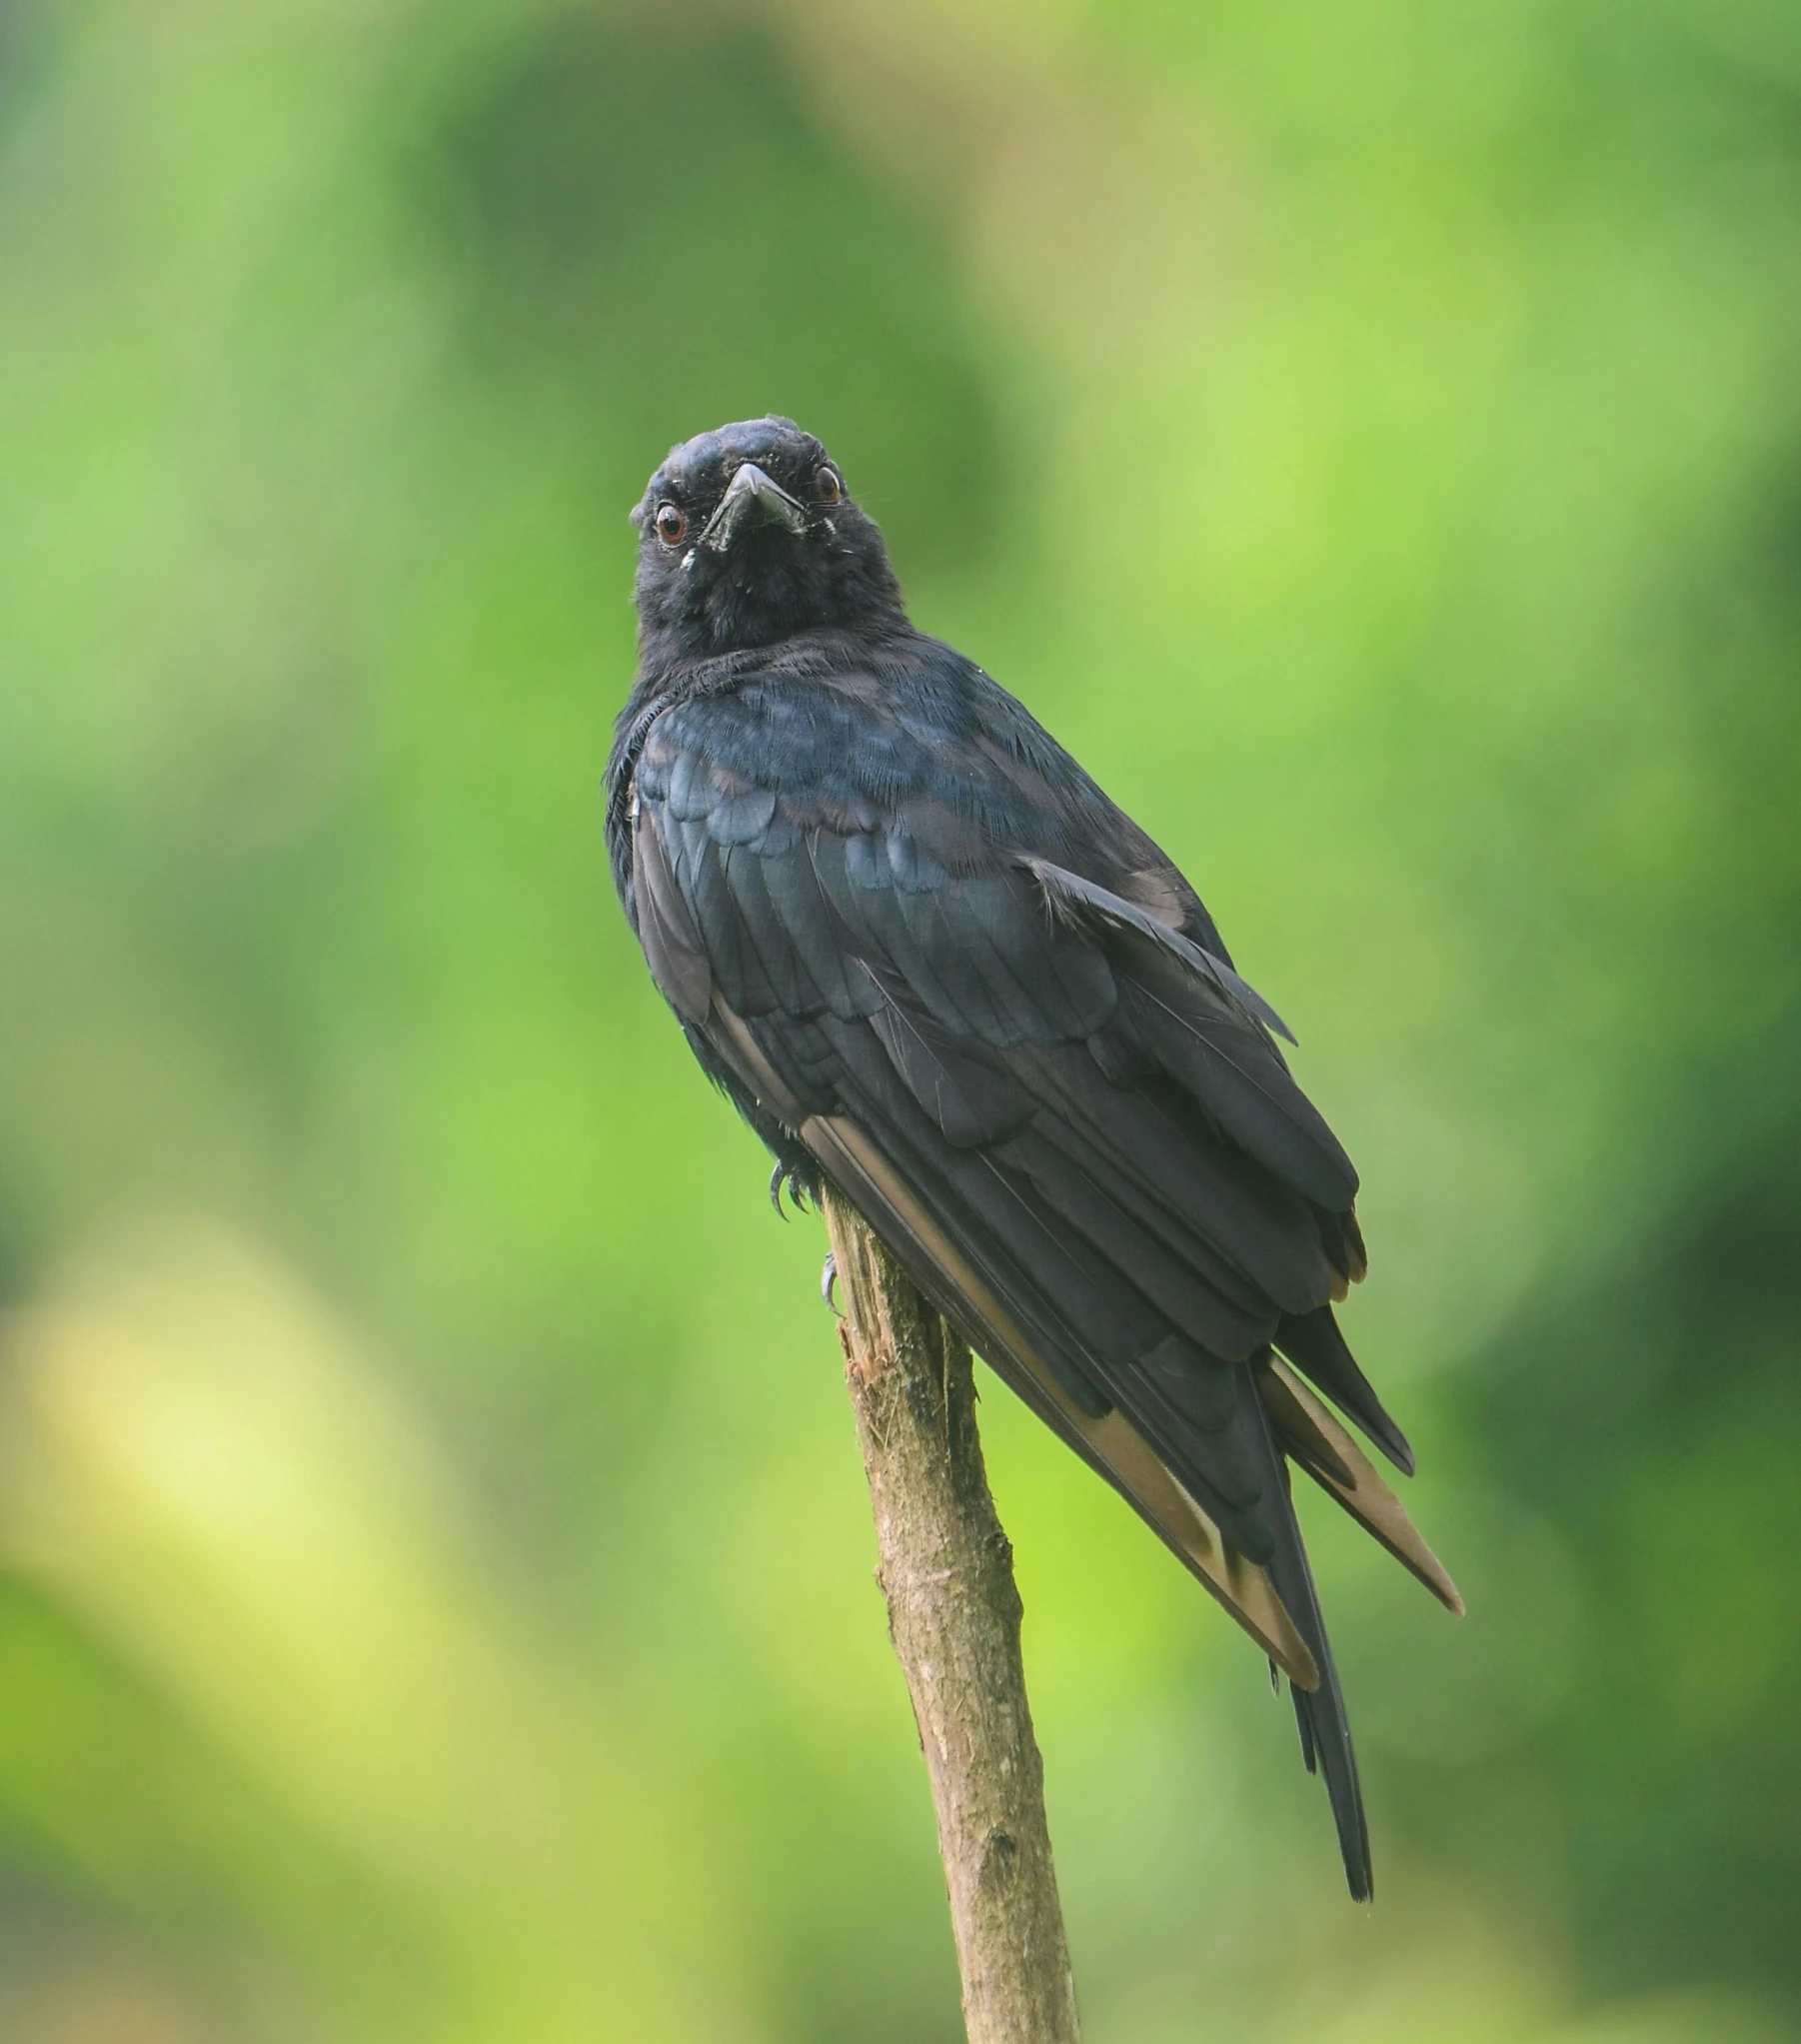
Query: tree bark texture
point(947, 1572)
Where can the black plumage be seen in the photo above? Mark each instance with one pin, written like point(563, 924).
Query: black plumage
point(932, 963)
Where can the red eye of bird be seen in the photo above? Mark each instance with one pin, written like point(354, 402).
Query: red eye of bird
point(670, 524)
point(829, 485)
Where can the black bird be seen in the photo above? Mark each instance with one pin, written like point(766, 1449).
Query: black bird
point(932, 963)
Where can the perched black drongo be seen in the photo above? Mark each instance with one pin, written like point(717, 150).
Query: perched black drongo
point(931, 964)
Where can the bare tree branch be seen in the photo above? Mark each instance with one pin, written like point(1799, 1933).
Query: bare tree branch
point(947, 1572)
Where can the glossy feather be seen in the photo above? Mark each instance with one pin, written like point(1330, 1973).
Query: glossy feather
point(934, 963)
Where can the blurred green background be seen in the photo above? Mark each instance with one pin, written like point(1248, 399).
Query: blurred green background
point(435, 1594)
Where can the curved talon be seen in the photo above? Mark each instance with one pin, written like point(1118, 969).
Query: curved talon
point(828, 1278)
point(778, 1177)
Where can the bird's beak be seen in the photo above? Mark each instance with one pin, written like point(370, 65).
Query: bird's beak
point(751, 499)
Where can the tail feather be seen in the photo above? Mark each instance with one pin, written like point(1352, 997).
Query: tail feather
point(1313, 1343)
point(1307, 1432)
point(1325, 1740)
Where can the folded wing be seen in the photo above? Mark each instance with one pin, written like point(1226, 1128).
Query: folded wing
point(1073, 1123)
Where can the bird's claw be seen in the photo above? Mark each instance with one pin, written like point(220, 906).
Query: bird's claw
point(786, 1178)
point(828, 1278)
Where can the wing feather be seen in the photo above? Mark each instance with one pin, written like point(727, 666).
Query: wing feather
point(1108, 1444)
point(672, 947)
point(1343, 1471)
point(1071, 1121)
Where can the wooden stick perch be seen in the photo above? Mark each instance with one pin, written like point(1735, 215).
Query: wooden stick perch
point(947, 1572)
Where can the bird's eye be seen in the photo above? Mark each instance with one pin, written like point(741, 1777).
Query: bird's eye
point(829, 485)
point(670, 524)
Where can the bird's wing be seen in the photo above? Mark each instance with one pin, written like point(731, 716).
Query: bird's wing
point(1076, 1130)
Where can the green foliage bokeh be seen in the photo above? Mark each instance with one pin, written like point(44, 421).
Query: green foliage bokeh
point(434, 1572)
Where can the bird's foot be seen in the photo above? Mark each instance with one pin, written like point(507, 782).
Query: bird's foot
point(828, 1278)
point(786, 1178)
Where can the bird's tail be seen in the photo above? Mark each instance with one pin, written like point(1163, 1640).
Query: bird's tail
point(1325, 1740)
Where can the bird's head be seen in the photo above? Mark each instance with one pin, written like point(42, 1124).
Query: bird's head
point(746, 535)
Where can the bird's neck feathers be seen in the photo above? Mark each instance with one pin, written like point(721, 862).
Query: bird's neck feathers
point(736, 625)
point(672, 669)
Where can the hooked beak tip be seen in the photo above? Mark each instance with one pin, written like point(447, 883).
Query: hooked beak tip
point(753, 498)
